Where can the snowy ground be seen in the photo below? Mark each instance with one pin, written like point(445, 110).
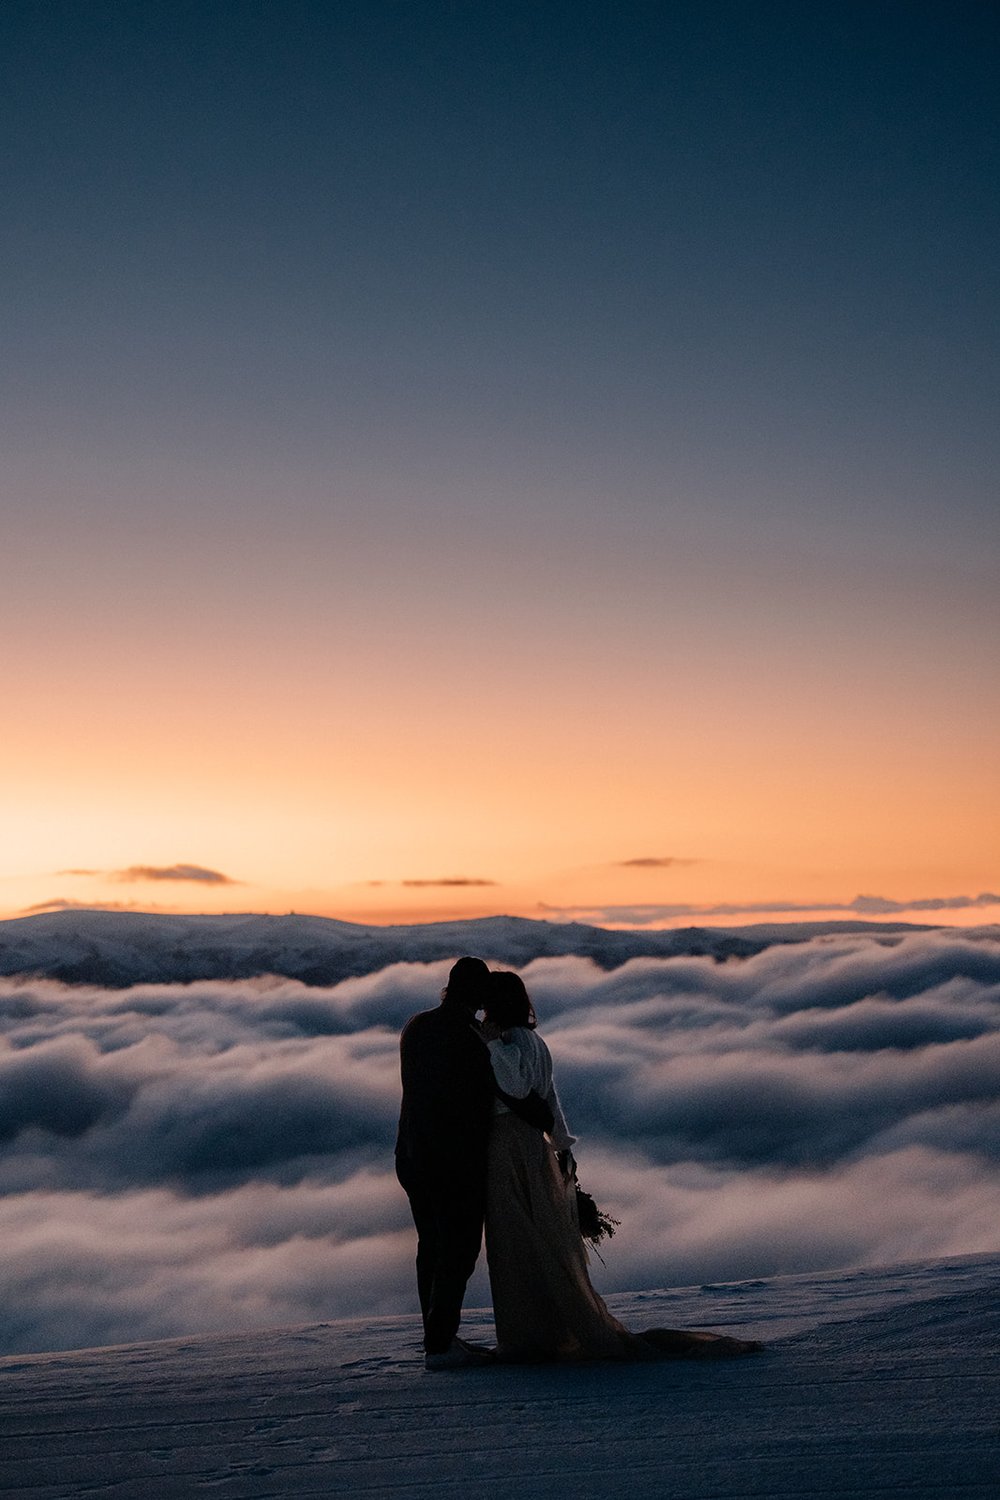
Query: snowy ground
point(874, 1383)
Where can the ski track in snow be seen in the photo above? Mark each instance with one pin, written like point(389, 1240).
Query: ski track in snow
point(873, 1383)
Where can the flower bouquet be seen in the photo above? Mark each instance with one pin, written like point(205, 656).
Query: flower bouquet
point(595, 1224)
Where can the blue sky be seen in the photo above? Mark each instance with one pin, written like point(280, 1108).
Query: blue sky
point(435, 339)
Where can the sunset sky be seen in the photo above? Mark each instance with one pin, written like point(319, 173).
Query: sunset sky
point(467, 458)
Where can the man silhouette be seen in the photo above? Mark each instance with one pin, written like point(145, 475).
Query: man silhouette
point(444, 1123)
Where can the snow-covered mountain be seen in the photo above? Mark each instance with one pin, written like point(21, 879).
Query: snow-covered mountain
point(117, 949)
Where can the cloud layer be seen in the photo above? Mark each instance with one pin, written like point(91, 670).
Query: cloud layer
point(180, 1157)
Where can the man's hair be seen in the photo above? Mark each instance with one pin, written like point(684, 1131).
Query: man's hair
point(466, 984)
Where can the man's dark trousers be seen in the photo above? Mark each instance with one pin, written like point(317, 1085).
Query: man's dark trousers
point(444, 1126)
point(449, 1222)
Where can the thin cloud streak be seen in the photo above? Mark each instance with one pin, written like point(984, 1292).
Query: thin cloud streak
point(456, 880)
point(654, 862)
point(197, 873)
point(448, 881)
point(133, 874)
point(66, 903)
point(646, 913)
point(880, 906)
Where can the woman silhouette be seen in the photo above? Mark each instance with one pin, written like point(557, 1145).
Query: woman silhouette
point(544, 1306)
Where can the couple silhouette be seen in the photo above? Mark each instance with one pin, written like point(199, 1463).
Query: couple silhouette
point(483, 1142)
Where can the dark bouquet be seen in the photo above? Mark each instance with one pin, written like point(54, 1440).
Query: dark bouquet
point(595, 1224)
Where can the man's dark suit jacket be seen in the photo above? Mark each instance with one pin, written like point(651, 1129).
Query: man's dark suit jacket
point(447, 1097)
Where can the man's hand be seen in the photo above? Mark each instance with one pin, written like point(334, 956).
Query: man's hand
point(489, 1032)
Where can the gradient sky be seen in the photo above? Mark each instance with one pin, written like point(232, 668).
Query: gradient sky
point(499, 443)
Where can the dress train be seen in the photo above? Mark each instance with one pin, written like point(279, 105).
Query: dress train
point(543, 1303)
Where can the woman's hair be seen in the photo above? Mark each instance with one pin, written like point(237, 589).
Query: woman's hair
point(507, 1002)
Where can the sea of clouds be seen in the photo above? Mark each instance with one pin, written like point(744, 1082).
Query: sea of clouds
point(178, 1158)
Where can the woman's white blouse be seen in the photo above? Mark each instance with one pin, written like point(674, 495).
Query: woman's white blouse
point(522, 1062)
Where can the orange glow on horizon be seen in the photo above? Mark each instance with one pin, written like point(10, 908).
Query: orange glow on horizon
point(318, 756)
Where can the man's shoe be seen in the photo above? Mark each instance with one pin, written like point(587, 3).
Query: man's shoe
point(458, 1356)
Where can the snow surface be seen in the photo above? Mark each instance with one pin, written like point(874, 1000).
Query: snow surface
point(873, 1383)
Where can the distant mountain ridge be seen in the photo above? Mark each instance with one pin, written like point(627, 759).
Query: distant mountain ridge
point(117, 949)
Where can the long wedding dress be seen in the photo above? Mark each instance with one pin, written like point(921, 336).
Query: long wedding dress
point(544, 1305)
